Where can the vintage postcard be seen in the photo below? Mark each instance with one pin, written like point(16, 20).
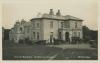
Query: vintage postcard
point(50, 30)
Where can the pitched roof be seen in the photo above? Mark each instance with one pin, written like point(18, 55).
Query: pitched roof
point(54, 17)
point(72, 17)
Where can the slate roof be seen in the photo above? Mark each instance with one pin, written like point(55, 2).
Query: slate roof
point(72, 17)
point(55, 17)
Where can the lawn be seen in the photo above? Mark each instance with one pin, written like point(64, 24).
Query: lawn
point(43, 52)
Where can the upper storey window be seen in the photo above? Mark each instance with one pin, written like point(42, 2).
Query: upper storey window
point(66, 25)
point(51, 24)
point(37, 35)
point(34, 35)
point(28, 29)
point(75, 24)
point(62, 24)
point(38, 25)
point(21, 29)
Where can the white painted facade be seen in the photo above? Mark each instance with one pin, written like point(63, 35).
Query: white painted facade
point(48, 27)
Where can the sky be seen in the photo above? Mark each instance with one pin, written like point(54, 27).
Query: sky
point(83, 9)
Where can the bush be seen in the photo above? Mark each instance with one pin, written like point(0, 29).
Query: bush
point(93, 43)
point(41, 42)
point(21, 41)
point(27, 41)
point(58, 41)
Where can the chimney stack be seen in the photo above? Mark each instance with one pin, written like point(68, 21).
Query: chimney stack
point(51, 12)
point(58, 13)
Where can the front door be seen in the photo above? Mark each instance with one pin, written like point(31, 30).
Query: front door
point(51, 37)
point(67, 36)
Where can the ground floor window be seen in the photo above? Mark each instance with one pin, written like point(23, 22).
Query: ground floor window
point(37, 35)
point(78, 34)
point(59, 35)
point(34, 35)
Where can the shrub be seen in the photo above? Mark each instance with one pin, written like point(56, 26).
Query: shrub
point(21, 41)
point(28, 41)
point(58, 41)
point(41, 42)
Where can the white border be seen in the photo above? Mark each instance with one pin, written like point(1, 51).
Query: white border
point(43, 61)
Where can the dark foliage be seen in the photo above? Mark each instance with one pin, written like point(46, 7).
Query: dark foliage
point(6, 34)
point(41, 42)
point(21, 41)
point(89, 34)
point(58, 41)
point(28, 41)
point(76, 40)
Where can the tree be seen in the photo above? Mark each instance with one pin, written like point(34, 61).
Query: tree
point(89, 34)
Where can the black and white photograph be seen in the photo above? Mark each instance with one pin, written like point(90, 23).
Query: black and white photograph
point(50, 30)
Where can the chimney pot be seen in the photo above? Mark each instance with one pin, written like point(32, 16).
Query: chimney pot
point(58, 13)
point(51, 12)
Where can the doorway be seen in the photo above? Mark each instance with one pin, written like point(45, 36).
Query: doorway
point(51, 37)
point(67, 36)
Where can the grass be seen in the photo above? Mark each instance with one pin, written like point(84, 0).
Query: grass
point(42, 52)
